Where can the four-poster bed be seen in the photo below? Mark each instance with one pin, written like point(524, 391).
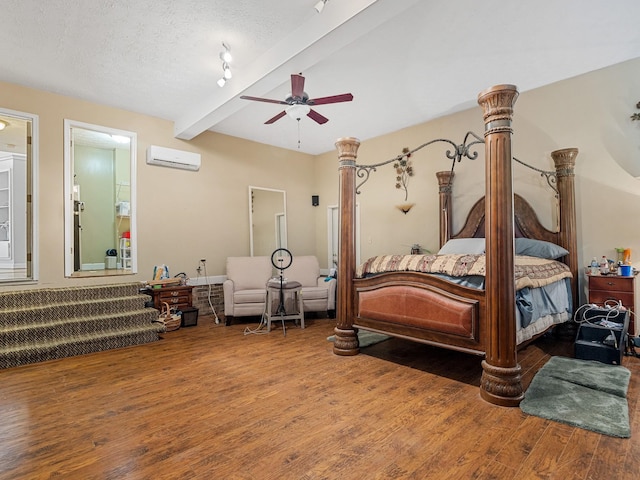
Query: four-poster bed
point(431, 309)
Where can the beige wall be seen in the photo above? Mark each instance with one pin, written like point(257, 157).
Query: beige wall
point(590, 112)
point(182, 216)
point(185, 216)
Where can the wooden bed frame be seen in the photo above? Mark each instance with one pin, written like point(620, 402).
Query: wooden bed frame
point(499, 216)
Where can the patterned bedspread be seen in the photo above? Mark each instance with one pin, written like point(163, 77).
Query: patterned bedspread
point(529, 271)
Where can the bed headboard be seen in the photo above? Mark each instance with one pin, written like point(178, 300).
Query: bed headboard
point(526, 223)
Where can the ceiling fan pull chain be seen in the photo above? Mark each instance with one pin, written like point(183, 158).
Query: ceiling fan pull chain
point(298, 134)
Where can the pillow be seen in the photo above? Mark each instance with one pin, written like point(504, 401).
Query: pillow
point(539, 248)
point(463, 245)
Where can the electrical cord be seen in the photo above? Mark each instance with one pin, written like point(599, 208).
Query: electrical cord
point(213, 310)
point(259, 329)
point(612, 307)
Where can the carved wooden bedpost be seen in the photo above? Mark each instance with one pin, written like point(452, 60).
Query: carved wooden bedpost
point(565, 161)
point(501, 383)
point(346, 339)
point(445, 180)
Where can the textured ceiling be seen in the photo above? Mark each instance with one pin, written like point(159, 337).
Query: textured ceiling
point(405, 61)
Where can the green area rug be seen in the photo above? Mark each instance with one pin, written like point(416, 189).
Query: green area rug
point(582, 393)
point(365, 338)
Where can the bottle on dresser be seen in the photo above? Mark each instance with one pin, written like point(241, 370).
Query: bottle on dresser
point(595, 268)
point(604, 266)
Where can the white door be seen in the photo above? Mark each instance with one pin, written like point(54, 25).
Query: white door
point(333, 229)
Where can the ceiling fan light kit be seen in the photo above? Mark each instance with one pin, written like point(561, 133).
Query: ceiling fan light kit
point(297, 111)
point(299, 104)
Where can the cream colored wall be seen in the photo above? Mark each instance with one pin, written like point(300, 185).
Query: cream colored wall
point(590, 112)
point(185, 216)
point(182, 216)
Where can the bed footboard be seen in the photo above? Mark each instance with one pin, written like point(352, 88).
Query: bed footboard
point(422, 308)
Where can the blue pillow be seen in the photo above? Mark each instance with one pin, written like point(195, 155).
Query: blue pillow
point(463, 245)
point(539, 248)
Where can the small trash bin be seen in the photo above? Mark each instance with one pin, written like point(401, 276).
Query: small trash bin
point(189, 317)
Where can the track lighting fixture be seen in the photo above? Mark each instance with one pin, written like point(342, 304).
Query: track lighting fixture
point(226, 57)
point(320, 5)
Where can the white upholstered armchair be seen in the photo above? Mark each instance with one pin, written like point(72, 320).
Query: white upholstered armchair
point(245, 288)
point(318, 293)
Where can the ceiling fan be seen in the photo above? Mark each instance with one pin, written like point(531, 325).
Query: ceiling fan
point(299, 104)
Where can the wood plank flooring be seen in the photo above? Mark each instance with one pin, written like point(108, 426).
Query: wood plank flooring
point(208, 402)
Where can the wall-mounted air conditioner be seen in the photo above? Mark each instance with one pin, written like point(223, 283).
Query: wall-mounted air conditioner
point(169, 157)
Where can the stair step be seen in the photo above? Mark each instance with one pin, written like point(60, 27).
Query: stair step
point(70, 327)
point(57, 311)
point(47, 296)
point(51, 350)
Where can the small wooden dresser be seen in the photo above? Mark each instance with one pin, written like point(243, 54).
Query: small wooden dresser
point(614, 288)
point(178, 297)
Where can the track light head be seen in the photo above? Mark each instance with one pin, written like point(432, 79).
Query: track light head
point(225, 55)
point(320, 5)
point(221, 82)
point(227, 71)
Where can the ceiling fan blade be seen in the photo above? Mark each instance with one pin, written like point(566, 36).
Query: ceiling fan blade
point(297, 86)
point(277, 117)
point(345, 97)
point(313, 115)
point(259, 99)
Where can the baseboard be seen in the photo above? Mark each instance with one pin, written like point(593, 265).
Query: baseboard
point(210, 280)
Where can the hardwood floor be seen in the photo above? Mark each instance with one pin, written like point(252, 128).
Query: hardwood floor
point(208, 402)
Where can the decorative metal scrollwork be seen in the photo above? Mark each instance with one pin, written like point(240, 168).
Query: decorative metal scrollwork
point(458, 152)
point(463, 150)
point(550, 177)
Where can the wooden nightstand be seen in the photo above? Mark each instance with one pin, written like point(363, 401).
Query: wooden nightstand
point(614, 288)
point(178, 297)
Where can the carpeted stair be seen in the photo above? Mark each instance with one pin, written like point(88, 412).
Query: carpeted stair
point(45, 324)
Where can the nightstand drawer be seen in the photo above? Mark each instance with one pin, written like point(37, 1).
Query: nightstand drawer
point(611, 283)
point(175, 300)
point(600, 296)
point(172, 293)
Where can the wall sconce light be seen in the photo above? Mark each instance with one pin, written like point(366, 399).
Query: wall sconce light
point(405, 207)
point(320, 5)
point(3, 124)
point(226, 57)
